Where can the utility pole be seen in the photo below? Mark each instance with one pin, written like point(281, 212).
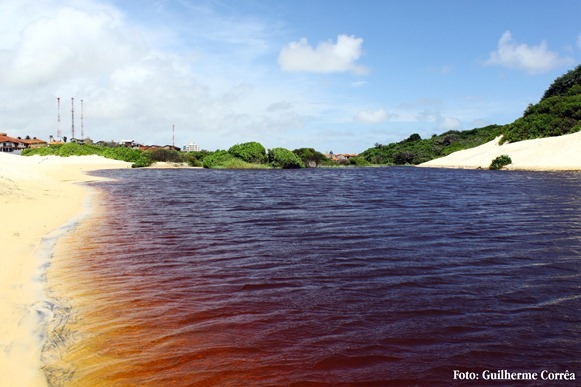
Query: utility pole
point(73, 117)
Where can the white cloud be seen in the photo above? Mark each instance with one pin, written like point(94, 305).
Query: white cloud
point(279, 106)
point(442, 122)
point(357, 84)
point(372, 116)
point(532, 59)
point(327, 57)
point(70, 43)
point(449, 123)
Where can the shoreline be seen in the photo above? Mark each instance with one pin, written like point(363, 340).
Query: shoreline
point(41, 199)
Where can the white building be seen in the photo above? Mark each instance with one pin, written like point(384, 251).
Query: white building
point(191, 147)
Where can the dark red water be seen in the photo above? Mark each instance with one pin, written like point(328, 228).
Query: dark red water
point(320, 277)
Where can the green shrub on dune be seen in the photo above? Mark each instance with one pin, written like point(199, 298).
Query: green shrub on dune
point(283, 158)
point(556, 114)
point(74, 149)
point(251, 152)
point(499, 162)
point(224, 160)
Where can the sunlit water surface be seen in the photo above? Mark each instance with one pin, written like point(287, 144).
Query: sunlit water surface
point(318, 277)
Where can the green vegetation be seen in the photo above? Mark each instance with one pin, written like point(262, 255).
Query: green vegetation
point(563, 85)
point(73, 149)
point(250, 152)
point(499, 162)
point(415, 150)
point(222, 159)
point(310, 157)
point(556, 114)
point(138, 158)
point(283, 158)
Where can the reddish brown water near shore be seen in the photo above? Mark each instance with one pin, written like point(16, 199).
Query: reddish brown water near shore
point(318, 277)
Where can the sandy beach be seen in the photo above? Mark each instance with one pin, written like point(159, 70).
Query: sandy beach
point(545, 154)
point(38, 195)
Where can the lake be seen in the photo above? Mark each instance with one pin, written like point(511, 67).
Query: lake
point(367, 276)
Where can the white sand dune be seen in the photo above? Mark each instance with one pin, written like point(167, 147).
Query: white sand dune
point(561, 153)
point(37, 195)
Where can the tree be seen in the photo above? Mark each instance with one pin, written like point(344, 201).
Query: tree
point(283, 158)
point(310, 157)
point(251, 152)
point(414, 137)
point(561, 85)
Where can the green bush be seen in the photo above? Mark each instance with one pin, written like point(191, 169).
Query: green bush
point(165, 155)
point(283, 158)
point(73, 149)
point(193, 161)
point(563, 85)
point(499, 162)
point(45, 151)
point(310, 157)
point(251, 152)
point(225, 160)
point(358, 161)
point(122, 153)
point(144, 160)
point(216, 159)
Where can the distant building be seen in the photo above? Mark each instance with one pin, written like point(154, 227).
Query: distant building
point(191, 147)
point(82, 141)
point(129, 144)
point(340, 156)
point(11, 144)
point(34, 143)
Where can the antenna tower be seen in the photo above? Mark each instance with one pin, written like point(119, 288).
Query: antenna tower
point(73, 117)
point(173, 135)
point(82, 123)
point(58, 128)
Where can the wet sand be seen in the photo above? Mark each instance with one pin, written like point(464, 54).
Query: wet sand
point(38, 195)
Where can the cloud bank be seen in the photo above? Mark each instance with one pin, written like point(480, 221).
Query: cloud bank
point(531, 59)
point(372, 116)
point(137, 81)
point(327, 57)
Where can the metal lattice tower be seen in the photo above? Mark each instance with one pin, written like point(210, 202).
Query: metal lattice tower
point(58, 127)
point(82, 123)
point(73, 117)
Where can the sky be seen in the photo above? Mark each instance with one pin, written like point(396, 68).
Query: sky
point(333, 75)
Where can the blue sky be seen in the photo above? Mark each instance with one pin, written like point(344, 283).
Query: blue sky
point(333, 75)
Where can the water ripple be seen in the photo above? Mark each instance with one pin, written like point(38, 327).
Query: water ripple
point(323, 277)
